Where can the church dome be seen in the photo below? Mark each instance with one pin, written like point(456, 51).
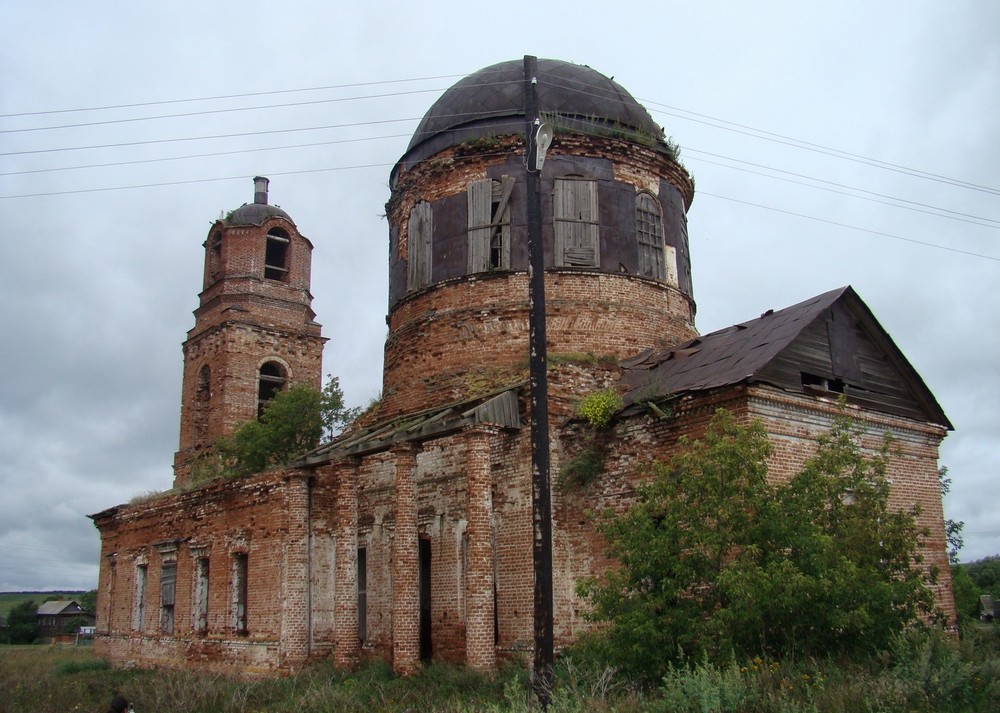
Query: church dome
point(256, 214)
point(490, 102)
point(260, 210)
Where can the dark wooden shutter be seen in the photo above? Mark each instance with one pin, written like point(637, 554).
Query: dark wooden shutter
point(421, 231)
point(577, 236)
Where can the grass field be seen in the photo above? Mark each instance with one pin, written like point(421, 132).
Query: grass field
point(922, 675)
point(9, 600)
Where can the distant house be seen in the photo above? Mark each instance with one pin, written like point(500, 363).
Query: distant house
point(988, 607)
point(53, 616)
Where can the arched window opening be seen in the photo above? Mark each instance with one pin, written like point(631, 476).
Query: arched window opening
point(276, 255)
point(649, 235)
point(272, 380)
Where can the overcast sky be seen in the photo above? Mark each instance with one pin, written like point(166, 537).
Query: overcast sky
point(832, 144)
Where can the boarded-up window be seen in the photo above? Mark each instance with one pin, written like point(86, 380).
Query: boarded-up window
point(420, 230)
point(239, 618)
point(489, 224)
point(200, 613)
point(576, 225)
point(139, 606)
point(649, 235)
point(168, 591)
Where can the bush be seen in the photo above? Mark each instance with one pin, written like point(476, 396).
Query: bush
point(716, 559)
point(599, 408)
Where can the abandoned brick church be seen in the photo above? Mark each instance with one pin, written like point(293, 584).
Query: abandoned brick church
point(410, 536)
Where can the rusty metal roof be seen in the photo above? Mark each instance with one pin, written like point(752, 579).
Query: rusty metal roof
point(743, 352)
point(725, 357)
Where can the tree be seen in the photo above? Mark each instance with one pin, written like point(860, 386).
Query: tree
point(716, 559)
point(22, 623)
point(986, 574)
point(966, 593)
point(88, 601)
point(293, 423)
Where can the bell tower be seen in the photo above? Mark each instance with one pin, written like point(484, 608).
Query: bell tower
point(255, 330)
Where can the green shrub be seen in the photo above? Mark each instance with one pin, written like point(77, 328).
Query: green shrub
point(583, 470)
point(599, 408)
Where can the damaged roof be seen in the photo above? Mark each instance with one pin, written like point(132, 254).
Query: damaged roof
point(498, 408)
point(828, 343)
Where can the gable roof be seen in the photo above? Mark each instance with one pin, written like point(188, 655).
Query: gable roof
point(59, 606)
point(828, 343)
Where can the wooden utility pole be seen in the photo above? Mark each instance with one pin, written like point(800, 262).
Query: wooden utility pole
point(541, 497)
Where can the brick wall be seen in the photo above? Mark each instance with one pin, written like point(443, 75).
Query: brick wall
point(465, 336)
point(244, 320)
point(219, 521)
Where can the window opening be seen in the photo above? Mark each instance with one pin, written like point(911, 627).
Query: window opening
point(577, 233)
point(420, 230)
point(215, 256)
point(272, 380)
point(201, 595)
point(812, 382)
point(139, 610)
point(276, 255)
point(240, 594)
point(202, 403)
point(424, 579)
point(649, 235)
point(489, 224)
point(362, 593)
point(168, 590)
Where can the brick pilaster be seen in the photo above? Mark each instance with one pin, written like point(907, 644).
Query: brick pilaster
point(480, 650)
point(405, 566)
point(347, 647)
point(295, 603)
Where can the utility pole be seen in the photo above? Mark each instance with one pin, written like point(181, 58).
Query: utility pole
point(541, 496)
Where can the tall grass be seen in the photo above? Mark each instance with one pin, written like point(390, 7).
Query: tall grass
point(921, 673)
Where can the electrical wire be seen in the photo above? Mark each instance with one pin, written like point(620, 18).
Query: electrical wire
point(912, 205)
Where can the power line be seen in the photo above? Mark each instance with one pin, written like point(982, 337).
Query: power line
point(227, 96)
point(912, 205)
point(504, 112)
point(193, 180)
point(836, 153)
point(206, 155)
point(383, 165)
point(214, 111)
point(209, 138)
point(852, 227)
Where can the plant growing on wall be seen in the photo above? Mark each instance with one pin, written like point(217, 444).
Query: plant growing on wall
point(600, 407)
point(294, 422)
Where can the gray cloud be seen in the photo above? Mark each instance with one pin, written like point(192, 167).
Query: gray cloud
point(97, 288)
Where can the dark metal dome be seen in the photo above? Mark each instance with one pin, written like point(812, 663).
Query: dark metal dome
point(255, 214)
point(490, 102)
